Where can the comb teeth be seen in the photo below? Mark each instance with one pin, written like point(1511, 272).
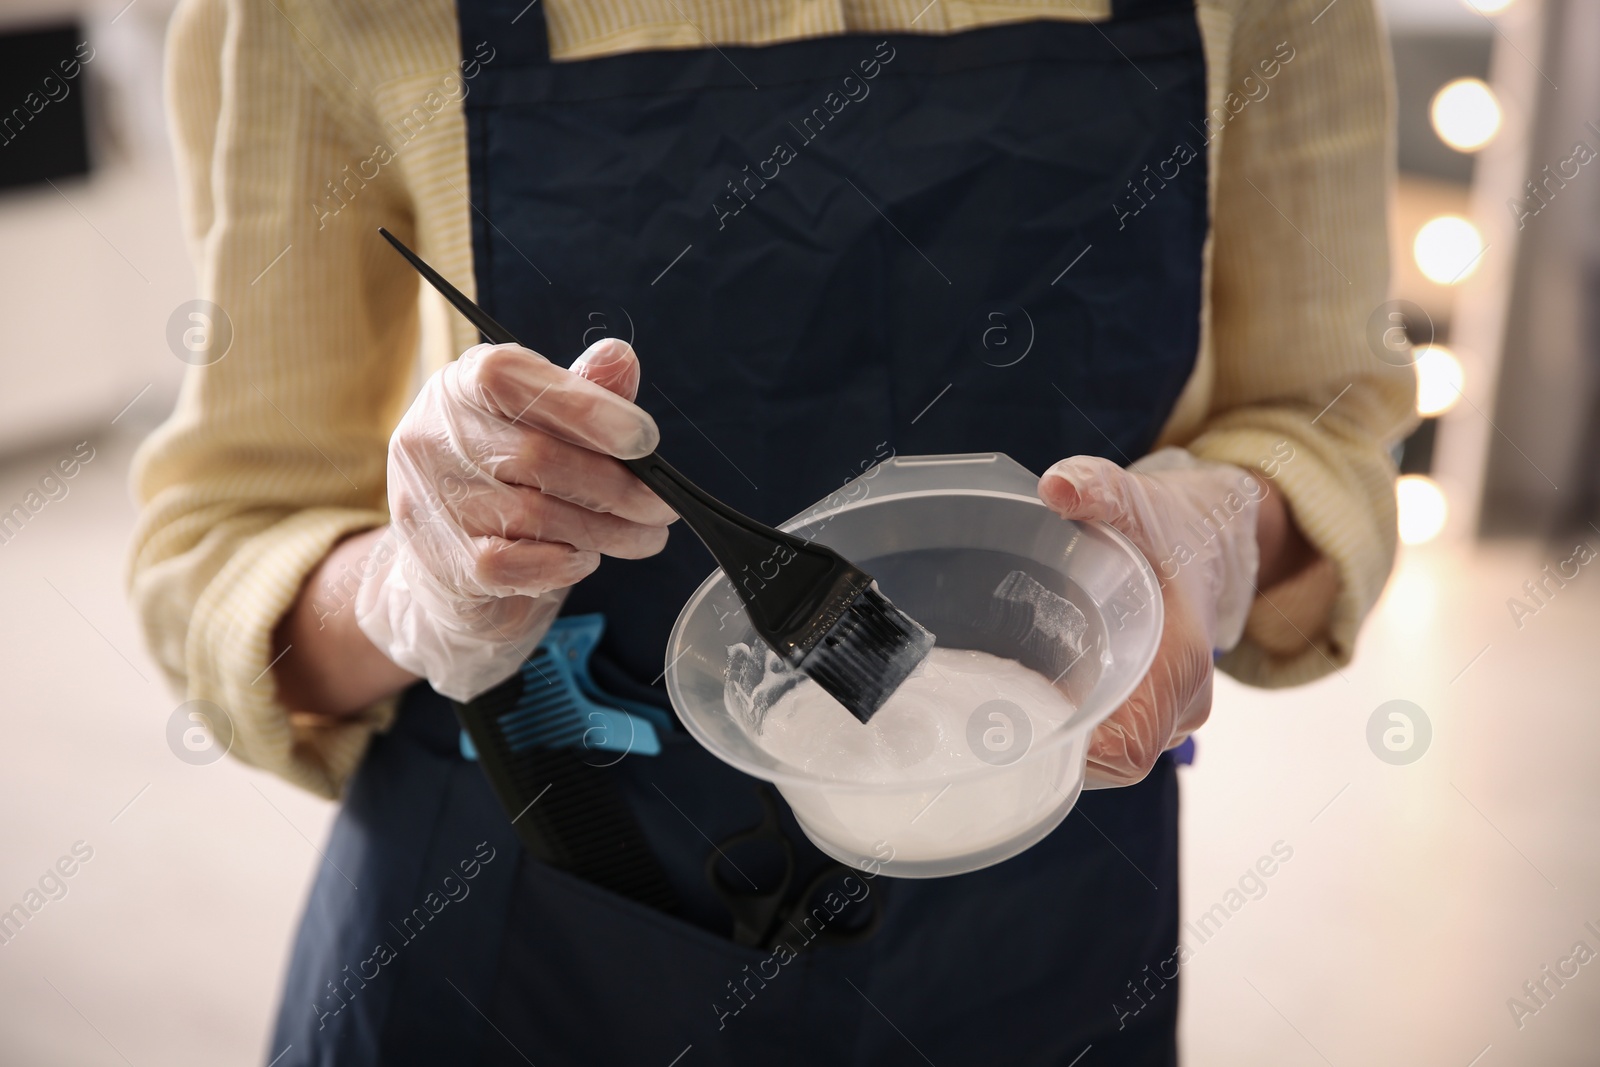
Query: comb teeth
point(867, 653)
point(542, 714)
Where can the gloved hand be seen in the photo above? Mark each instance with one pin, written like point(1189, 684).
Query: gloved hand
point(1195, 521)
point(503, 493)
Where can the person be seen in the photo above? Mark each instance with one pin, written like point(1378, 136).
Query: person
point(1133, 244)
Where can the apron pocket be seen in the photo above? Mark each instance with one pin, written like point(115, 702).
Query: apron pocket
point(588, 976)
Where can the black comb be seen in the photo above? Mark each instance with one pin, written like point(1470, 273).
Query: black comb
point(820, 613)
point(584, 826)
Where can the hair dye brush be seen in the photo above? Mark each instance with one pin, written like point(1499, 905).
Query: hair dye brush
point(820, 613)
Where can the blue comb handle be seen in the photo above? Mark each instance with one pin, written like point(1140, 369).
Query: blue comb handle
point(561, 707)
point(576, 637)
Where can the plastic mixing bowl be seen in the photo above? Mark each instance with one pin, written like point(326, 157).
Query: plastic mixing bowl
point(942, 535)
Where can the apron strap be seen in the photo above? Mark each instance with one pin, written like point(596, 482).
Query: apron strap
point(1137, 9)
point(515, 29)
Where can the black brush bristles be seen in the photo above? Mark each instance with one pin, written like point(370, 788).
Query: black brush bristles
point(818, 611)
point(814, 608)
point(867, 653)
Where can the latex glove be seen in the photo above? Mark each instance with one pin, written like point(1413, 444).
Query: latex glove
point(503, 493)
point(1195, 521)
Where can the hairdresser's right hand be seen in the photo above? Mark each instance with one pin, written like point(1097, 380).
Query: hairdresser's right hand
point(505, 489)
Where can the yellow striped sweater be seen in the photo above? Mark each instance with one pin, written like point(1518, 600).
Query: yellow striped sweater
point(278, 450)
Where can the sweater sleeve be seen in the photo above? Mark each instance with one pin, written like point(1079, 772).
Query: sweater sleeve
point(1300, 265)
point(277, 446)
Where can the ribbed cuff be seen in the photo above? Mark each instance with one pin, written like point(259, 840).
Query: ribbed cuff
point(229, 653)
point(1306, 626)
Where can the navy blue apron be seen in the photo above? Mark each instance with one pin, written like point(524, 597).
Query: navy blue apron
point(824, 251)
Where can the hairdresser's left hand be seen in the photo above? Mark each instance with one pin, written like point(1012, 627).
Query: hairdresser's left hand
point(1195, 521)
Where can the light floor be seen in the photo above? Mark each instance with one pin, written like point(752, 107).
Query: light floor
point(1418, 898)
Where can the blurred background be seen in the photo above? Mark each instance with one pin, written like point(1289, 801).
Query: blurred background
point(1442, 902)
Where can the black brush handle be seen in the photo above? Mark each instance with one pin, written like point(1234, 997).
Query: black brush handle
point(784, 581)
point(492, 331)
point(798, 574)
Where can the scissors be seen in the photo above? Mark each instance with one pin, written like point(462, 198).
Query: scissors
point(761, 919)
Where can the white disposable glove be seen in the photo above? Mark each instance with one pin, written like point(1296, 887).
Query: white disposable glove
point(503, 492)
point(1195, 521)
